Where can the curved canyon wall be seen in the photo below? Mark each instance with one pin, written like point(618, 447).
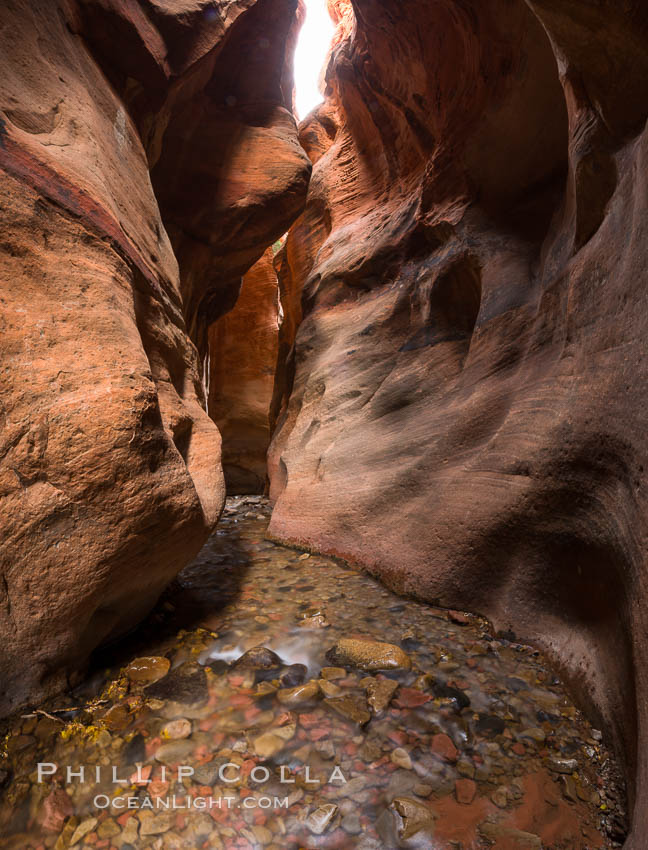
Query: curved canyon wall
point(120, 123)
point(462, 408)
point(243, 350)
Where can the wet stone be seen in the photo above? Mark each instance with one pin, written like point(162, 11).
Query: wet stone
point(184, 684)
point(351, 707)
point(329, 689)
point(259, 658)
point(465, 790)
point(351, 824)
point(268, 745)
point(439, 729)
point(443, 691)
point(379, 693)
point(333, 673)
point(174, 752)
point(155, 823)
point(442, 745)
point(177, 729)
point(145, 671)
point(415, 817)
point(107, 829)
point(569, 789)
point(298, 695)
point(368, 655)
point(422, 790)
point(319, 820)
point(500, 797)
point(401, 758)
point(294, 675)
point(510, 837)
point(560, 765)
point(83, 829)
point(490, 726)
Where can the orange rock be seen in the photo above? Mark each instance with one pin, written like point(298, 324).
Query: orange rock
point(442, 745)
point(243, 348)
point(111, 478)
point(464, 355)
point(465, 790)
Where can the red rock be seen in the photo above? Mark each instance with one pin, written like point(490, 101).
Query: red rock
point(57, 808)
point(243, 348)
point(519, 749)
point(411, 698)
point(318, 733)
point(465, 790)
point(461, 363)
point(247, 767)
point(158, 788)
point(398, 737)
point(465, 296)
point(111, 480)
point(442, 745)
point(458, 617)
point(142, 776)
point(240, 700)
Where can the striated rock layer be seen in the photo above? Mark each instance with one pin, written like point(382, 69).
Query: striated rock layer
point(243, 348)
point(463, 410)
point(110, 478)
point(210, 89)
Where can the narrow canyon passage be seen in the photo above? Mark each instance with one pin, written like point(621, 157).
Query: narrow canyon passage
point(398, 317)
point(308, 707)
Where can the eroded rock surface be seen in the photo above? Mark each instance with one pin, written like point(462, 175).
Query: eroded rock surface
point(243, 347)
point(110, 476)
point(462, 410)
point(420, 764)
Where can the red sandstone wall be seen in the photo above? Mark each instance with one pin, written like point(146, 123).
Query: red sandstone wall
point(243, 347)
point(463, 411)
point(120, 123)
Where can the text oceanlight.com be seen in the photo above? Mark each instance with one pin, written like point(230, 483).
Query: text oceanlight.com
point(103, 801)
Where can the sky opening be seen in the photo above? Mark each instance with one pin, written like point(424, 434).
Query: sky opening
point(312, 48)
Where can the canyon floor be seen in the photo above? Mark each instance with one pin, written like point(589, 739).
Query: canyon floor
point(418, 726)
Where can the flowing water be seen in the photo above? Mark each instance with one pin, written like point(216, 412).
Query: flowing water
point(447, 738)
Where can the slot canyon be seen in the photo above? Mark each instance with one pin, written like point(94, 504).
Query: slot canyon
point(323, 438)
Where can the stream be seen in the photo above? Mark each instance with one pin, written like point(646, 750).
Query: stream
point(277, 699)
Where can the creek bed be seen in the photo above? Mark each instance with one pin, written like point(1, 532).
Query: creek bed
point(278, 699)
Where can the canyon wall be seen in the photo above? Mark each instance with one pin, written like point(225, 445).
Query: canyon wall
point(120, 123)
point(243, 349)
point(462, 408)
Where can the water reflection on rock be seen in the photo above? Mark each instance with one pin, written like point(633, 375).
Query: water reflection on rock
point(279, 700)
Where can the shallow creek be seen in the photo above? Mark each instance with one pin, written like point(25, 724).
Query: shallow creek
point(184, 738)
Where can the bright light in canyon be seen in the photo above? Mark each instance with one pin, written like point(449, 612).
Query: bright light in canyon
point(312, 48)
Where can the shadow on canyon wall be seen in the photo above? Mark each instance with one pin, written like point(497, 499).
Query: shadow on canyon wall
point(455, 388)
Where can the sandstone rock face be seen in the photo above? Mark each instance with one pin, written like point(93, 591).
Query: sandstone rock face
point(243, 347)
point(463, 408)
point(110, 477)
point(210, 88)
